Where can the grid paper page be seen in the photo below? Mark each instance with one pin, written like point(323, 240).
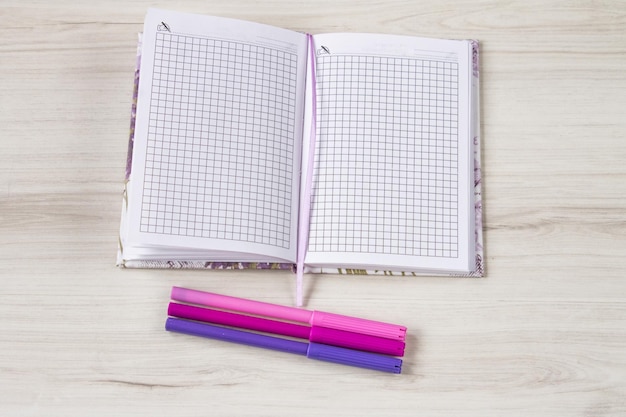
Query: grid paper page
point(387, 160)
point(220, 140)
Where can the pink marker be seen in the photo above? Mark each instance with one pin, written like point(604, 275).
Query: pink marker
point(316, 334)
point(314, 318)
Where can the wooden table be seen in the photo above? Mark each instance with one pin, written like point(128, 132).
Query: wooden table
point(544, 334)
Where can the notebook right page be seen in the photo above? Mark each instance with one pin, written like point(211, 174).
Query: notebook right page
point(393, 173)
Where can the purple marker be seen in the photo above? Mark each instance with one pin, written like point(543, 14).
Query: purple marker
point(310, 350)
point(316, 334)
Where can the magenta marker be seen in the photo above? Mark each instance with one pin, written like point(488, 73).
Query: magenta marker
point(316, 334)
point(314, 318)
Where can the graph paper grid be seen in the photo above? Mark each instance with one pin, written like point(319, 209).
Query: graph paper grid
point(386, 168)
point(220, 141)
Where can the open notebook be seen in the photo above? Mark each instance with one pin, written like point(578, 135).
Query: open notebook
point(259, 147)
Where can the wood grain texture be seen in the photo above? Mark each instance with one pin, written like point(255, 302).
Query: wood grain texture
point(543, 334)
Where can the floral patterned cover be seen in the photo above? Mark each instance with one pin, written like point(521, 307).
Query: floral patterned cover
point(174, 264)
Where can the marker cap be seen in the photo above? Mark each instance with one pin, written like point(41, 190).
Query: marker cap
point(358, 341)
point(357, 325)
point(354, 358)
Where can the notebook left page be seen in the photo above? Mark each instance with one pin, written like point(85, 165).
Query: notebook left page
point(216, 158)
